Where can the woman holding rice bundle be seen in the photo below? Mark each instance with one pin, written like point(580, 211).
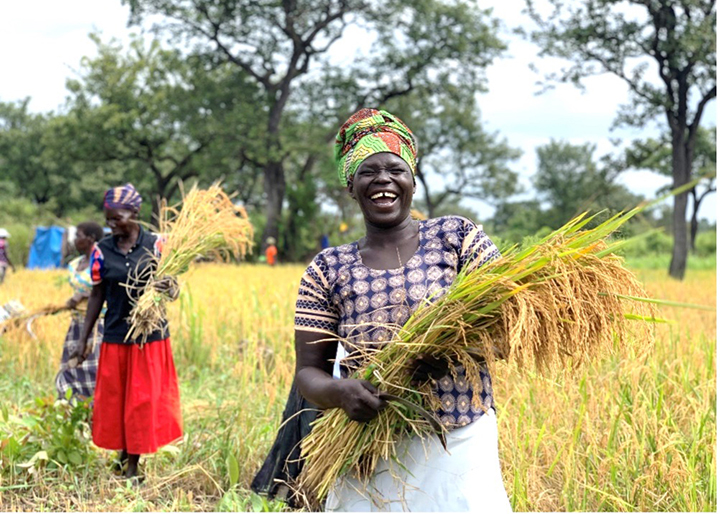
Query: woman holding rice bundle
point(80, 378)
point(137, 401)
point(360, 294)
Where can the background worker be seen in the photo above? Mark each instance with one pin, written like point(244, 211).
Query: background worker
point(4, 257)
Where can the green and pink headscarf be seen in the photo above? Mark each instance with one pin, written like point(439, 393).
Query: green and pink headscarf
point(371, 131)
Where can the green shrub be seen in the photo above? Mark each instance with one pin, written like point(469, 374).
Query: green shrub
point(653, 243)
point(706, 244)
point(49, 432)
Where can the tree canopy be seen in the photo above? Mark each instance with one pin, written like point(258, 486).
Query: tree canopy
point(284, 47)
point(676, 38)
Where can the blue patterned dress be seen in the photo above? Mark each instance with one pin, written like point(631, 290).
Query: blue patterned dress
point(365, 307)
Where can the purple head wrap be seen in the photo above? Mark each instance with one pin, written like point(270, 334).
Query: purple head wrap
point(123, 197)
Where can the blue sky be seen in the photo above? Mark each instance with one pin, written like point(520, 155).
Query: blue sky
point(44, 40)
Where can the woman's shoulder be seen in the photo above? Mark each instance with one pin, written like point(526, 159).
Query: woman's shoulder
point(323, 261)
point(330, 262)
point(451, 224)
point(105, 243)
point(337, 255)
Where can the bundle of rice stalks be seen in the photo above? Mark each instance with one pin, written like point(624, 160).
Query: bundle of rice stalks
point(23, 318)
point(564, 298)
point(209, 224)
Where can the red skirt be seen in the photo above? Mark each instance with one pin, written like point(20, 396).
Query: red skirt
point(137, 401)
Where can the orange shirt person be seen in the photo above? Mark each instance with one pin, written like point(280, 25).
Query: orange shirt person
point(271, 251)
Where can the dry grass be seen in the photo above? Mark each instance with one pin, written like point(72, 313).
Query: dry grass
point(629, 433)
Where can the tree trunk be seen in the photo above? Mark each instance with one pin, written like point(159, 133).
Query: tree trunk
point(694, 220)
point(160, 193)
point(274, 178)
point(273, 172)
point(681, 176)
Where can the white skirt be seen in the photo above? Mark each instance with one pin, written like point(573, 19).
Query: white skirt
point(468, 478)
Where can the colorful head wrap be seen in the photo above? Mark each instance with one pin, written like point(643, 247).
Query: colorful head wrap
point(122, 197)
point(370, 131)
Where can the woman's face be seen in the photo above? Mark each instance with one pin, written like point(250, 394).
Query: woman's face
point(120, 221)
point(383, 187)
point(83, 242)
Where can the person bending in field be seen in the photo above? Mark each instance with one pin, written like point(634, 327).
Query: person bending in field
point(136, 408)
point(80, 379)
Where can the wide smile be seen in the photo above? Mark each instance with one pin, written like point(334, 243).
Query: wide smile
point(384, 198)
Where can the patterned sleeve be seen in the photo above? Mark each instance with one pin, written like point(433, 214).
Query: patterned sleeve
point(314, 310)
point(97, 265)
point(476, 248)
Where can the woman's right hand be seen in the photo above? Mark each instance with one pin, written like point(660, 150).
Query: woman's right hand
point(77, 353)
point(360, 399)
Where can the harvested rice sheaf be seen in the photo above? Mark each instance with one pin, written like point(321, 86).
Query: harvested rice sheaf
point(208, 224)
point(566, 298)
point(21, 318)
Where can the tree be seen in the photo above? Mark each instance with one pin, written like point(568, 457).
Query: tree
point(21, 148)
point(35, 165)
point(458, 158)
point(283, 45)
point(656, 155)
point(570, 182)
point(624, 37)
point(515, 220)
point(155, 112)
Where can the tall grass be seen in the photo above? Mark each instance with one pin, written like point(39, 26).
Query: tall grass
point(629, 434)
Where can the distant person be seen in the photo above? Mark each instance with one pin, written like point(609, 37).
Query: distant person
point(271, 251)
point(81, 378)
point(136, 407)
point(4, 257)
point(324, 242)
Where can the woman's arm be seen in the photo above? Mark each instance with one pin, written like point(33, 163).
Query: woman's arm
point(313, 374)
point(76, 299)
point(95, 303)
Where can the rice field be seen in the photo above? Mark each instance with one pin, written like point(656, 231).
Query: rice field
point(629, 433)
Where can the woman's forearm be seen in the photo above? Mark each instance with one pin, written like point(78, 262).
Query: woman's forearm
point(95, 303)
point(318, 387)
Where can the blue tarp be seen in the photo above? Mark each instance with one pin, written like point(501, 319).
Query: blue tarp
point(46, 249)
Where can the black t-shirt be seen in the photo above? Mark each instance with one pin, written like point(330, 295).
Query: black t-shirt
point(113, 268)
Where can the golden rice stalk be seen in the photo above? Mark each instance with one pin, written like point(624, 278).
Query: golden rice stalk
point(18, 321)
point(562, 299)
point(209, 224)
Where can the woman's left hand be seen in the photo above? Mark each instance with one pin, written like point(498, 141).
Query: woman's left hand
point(168, 286)
point(425, 367)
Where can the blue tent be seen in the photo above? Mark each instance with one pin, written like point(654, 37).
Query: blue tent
point(46, 248)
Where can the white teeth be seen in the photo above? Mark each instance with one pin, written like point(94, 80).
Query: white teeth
point(383, 194)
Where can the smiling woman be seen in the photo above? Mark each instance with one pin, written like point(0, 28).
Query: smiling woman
point(355, 297)
point(137, 401)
